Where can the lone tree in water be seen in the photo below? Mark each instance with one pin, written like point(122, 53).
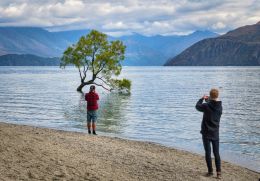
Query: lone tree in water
point(97, 61)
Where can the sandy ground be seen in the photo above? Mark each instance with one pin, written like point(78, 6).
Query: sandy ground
point(30, 153)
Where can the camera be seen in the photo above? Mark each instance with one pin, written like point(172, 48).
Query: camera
point(207, 98)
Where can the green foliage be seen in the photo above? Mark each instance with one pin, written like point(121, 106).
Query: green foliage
point(96, 54)
point(122, 84)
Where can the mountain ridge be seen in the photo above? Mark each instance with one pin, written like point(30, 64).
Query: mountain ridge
point(27, 60)
point(141, 50)
point(239, 47)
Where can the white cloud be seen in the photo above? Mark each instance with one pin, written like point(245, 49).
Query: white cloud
point(218, 25)
point(141, 16)
point(13, 10)
point(115, 25)
point(68, 9)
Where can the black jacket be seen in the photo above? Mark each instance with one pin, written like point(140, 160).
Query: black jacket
point(211, 118)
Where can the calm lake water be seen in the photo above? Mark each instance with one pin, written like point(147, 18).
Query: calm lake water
point(160, 109)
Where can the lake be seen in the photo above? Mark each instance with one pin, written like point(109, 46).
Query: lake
point(160, 109)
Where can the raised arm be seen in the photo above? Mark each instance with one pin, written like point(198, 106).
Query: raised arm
point(200, 106)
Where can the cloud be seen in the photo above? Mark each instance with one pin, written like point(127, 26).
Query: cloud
point(123, 17)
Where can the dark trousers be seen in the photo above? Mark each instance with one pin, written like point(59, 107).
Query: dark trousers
point(207, 147)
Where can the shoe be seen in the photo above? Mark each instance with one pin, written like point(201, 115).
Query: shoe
point(89, 132)
point(94, 132)
point(209, 174)
point(219, 175)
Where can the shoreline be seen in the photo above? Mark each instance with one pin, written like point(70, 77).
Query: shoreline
point(225, 156)
point(34, 153)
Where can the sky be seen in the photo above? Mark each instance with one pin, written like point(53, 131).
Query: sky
point(117, 18)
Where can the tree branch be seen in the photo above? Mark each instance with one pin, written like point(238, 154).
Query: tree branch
point(80, 74)
point(102, 86)
point(100, 68)
point(100, 78)
point(85, 71)
point(93, 59)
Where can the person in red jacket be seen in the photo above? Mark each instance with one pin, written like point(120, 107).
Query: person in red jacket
point(92, 107)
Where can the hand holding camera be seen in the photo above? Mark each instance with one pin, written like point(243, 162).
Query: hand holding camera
point(206, 98)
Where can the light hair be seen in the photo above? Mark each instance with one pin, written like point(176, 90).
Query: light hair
point(214, 93)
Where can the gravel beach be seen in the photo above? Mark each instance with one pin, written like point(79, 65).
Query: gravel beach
point(31, 153)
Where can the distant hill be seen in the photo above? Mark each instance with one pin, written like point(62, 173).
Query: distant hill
point(141, 50)
point(27, 60)
point(37, 41)
point(240, 47)
point(155, 50)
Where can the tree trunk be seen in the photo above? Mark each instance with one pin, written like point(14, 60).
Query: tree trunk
point(79, 89)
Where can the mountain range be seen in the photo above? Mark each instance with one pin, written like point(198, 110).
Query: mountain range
point(27, 60)
point(156, 50)
point(239, 47)
point(141, 50)
point(37, 41)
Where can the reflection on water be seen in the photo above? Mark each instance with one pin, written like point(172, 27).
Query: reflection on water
point(112, 113)
point(160, 108)
point(75, 113)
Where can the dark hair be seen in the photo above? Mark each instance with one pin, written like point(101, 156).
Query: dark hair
point(92, 87)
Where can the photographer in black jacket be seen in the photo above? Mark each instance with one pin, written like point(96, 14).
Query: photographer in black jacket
point(212, 110)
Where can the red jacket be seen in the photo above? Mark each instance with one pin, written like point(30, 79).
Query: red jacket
point(92, 99)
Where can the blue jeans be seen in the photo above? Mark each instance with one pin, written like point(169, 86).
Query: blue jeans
point(207, 147)
point(91, 116)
